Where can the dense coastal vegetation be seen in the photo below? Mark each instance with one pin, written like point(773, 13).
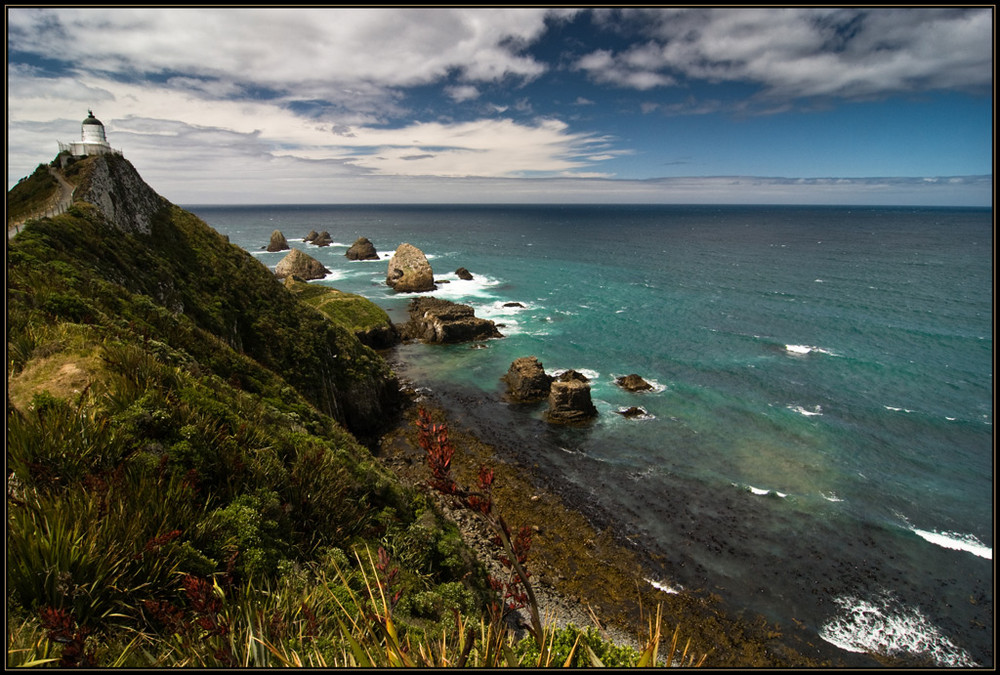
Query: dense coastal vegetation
point(191, 478)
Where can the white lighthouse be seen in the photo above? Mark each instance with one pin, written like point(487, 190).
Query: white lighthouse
point(92, 139)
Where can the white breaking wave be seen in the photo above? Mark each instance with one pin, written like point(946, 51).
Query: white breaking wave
point(802, 350)
point(462, 290)
point(587, 373)
point(957, 541)
point(761, 492)
point(879, 627)
point(660, 586)
point(817, 410)
point(332, 275)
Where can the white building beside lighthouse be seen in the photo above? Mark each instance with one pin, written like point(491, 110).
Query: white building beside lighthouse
point(92, 139)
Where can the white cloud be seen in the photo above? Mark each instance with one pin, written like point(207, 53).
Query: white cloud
point(795, 53)
point(319, 49)
point(462, 93)
point(268, 129)
point(268, 104)
point(488, 147)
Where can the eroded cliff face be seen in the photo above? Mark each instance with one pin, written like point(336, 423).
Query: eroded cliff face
point(112, 184)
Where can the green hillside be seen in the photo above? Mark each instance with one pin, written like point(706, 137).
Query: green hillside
point(185, 483)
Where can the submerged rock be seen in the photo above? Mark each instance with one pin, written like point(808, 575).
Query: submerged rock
point(362, 249)
point(278, 242)
point(569, 400)
point(446, 322)
point(301, 265)
point(633, 383)
point(527, 380)
point(409, 271)
point(634, 411)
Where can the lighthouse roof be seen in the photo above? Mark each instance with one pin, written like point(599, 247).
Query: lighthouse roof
point(91, 119)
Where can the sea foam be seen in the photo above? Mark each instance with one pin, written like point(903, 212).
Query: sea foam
point(816, 410)
point(885, 627)
point(802, 350)
point(586, 372)
point(957, 541)
point(660, 586)
point(760, 492)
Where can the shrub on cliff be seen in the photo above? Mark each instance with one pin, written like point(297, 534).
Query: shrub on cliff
point(31, 194)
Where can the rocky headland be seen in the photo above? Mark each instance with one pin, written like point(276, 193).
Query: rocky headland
point(273, 397)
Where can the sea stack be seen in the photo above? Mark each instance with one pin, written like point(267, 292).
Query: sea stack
point(278, 242)
point(362, 249)
point(300, 264)
point(569, 400)
point(409, 271)
point(527, 380)
point(322, 239)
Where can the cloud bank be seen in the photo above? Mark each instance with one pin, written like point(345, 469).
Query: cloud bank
point(339, 96)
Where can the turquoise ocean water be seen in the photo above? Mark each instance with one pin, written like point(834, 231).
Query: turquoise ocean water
point(818, 445)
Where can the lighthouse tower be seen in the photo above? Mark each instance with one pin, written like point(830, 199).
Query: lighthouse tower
point(92, 139)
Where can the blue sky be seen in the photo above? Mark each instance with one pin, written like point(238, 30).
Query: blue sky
point(389, 105)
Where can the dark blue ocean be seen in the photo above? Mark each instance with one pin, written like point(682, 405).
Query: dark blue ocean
point(818, 446)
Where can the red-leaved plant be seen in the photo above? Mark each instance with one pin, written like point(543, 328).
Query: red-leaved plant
point(516, 591)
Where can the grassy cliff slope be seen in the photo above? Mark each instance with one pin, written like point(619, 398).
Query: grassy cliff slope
point(184, 482)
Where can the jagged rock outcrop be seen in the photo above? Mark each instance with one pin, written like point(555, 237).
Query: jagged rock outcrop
point(309, 237)
point(322, 239)
point(112, 184)
point(569, 400)
point(633, 383)
point(278, 242)
point(527, 380)
point(362, 249)
point(300, 264)
point(409, 271)
point(464, 274)
point(445, 322)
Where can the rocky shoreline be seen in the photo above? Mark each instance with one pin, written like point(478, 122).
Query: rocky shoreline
point(584, 572)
